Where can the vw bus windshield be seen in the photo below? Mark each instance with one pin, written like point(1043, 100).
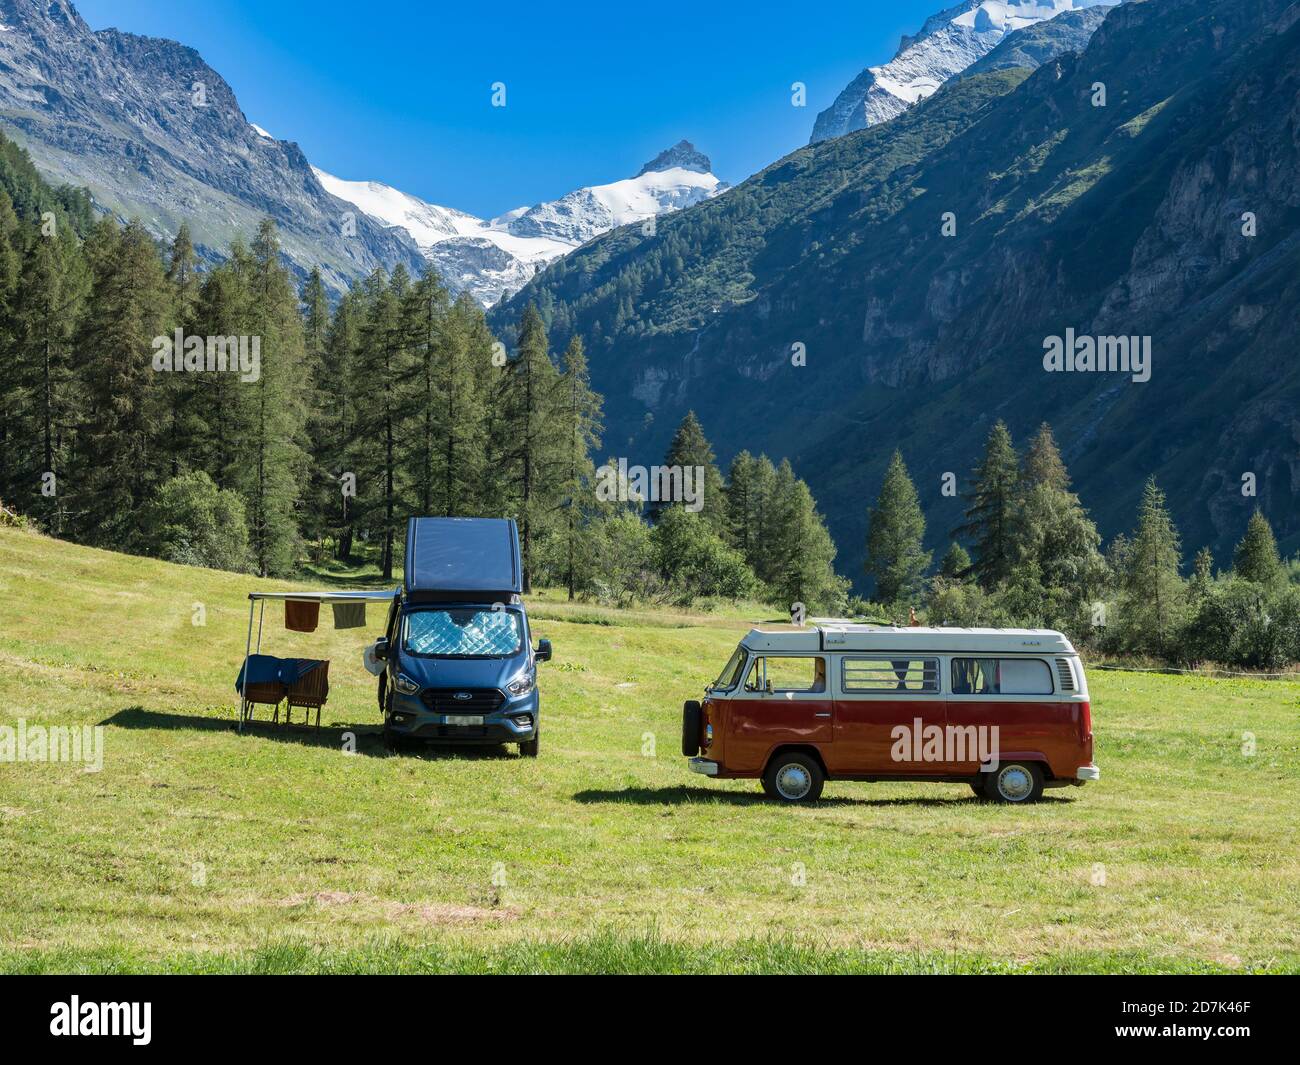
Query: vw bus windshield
point(730, 675)
point(464, 632)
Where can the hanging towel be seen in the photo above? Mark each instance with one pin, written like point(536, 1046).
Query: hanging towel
point(349, 615)
point(301, 617)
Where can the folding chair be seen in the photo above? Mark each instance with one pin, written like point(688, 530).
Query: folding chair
point(310, 690)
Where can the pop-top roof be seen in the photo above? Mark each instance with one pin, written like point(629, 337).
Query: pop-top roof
point(460, 557)
point(851, 637)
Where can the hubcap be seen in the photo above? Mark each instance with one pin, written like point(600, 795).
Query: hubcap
point(793, 782)
point(1015, 783)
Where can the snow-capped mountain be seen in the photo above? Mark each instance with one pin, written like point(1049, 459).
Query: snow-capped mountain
point(495, 257)
point(947, 44)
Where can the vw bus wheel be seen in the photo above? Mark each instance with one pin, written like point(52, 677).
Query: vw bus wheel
point(1015, 782)
point(794, 778)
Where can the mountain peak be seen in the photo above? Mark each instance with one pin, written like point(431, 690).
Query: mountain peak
point(946, 44)
point(682, 154)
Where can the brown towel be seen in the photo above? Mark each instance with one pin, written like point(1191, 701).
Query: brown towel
point(301, 617)
point(349, 615)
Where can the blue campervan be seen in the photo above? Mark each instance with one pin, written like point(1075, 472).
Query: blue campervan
point(459, 665)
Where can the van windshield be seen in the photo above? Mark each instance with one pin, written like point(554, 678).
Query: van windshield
point(730, 675)
point(462, 632)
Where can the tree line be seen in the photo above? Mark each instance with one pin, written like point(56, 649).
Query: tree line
point(1035, 559)
point(223, 415)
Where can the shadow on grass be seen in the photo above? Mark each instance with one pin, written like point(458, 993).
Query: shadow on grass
point(682, 794)
point(369, 739)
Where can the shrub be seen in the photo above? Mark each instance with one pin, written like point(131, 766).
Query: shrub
point(193, 522)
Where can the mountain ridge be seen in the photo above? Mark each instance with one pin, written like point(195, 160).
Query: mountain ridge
point(1102, 219)
point(493, 258)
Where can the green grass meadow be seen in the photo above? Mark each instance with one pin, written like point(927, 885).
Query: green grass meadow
point(197, 849)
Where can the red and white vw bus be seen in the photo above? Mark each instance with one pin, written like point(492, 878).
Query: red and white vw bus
point(1005, 711)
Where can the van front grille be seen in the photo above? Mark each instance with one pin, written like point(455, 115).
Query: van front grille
point(1066, 673)
point(462, 700)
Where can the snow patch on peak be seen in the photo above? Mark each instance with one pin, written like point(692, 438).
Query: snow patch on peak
point(946, 44)
point(493, 258)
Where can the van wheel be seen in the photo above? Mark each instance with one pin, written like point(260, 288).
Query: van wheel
point(1015, 782)
point(528, 749)
point(794, 777)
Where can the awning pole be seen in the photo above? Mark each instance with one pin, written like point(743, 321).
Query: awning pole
point(248, 646)
point(261, 616)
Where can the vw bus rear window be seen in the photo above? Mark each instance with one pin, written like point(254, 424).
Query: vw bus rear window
point(1000, 676)
point(466, 632)
point(890, 675)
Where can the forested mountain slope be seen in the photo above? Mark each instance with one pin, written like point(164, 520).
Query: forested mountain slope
point(1169, 211)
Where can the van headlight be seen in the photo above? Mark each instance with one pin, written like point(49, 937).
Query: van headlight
point(405, 684)
point(522, 684)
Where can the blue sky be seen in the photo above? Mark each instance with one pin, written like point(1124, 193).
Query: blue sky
point(401, 92)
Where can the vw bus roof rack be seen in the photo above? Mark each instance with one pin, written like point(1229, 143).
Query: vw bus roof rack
point(469, 560)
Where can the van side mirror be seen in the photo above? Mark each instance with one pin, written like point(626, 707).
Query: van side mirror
point(543, 652)
point(381, 648)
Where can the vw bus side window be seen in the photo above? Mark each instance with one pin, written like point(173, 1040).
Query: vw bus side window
point(792, 674)
point(920, 675)
point(1000, 676)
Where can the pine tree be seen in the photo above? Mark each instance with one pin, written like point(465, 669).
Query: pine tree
point(217, 413)
point(380, 429)
point(690, 452)
point(1059, 546)
point(178, 391)
point(46, 307)
point(801, 553)
point(15, 434)
point(1042, 463)
point(578, 411)
point(895, 555)
point(320, 486)
point(955, 564)
point(434, 369)
point(183, 275)
point(1202, 580)
point(741, 503)
point(126, 311)
point(273, 464)
point(335, 424)
point(528, 450)
point(991, 523)
point(1256, 558)
point(1155, 594)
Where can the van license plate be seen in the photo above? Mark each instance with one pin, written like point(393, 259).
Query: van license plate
point(463, 719)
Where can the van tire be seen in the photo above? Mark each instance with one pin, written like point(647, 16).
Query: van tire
point(1015, 783)
point(794, 777)
point(691, 713)
point(528, 748)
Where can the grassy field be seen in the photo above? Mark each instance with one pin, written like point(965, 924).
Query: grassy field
point(198, 849)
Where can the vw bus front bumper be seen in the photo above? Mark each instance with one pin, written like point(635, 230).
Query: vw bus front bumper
point(1085, 773)
point(703, 765)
